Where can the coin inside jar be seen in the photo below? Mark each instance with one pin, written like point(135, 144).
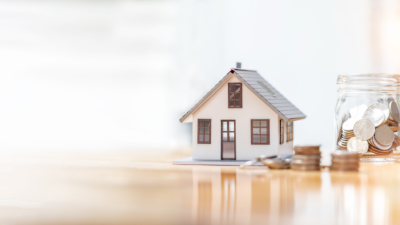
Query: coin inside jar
point(376, 116)
point(394, 111)
point(384, 135)
point(364, 129)
point(345, 117)
point(357, 145)
point(349, 124)
point(379, 146)
point(358, 111)
point(381, 107)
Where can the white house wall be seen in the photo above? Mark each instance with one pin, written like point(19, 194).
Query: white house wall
point(216, 109)
point(286, 147)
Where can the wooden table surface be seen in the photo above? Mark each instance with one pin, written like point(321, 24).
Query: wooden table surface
point(123, 188)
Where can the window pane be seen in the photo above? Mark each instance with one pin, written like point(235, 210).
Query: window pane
point(263, 123)
point(206, 123)
point(256, 130)
point(237, 96)
point(231, 136)
point(237, 88)
point(201, 123)
point(256, 123)
point(207, 130)
point(237, 103)
point(264, 139)
point(225, 136)
point(201, 130)
point(256, 138)
point(231, 126)
point(231, 104)
point(201, 138)
point(231, 95)
point(231, 87)
point(207, 138)
point(263, 130)
point(225, 126)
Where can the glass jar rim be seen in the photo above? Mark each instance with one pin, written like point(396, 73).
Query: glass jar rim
point(369, 78)
point(369, 82)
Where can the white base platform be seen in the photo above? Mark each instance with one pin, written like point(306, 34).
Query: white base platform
point(191, 161)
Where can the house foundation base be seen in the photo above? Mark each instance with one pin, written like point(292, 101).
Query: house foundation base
point(191, 161)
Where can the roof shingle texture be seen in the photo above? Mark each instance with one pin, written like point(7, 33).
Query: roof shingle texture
point(279, 102)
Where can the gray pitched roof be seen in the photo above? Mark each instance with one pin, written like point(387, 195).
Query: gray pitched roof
point(268, 94)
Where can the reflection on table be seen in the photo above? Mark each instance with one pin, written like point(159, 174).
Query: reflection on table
point(230, 195)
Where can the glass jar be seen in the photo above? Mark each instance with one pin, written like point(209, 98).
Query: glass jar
point(367, 96)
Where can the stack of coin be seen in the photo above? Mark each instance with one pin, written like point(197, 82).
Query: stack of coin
point(347, 133)
point(306, 158)
point(345, 161)
point(373, 131)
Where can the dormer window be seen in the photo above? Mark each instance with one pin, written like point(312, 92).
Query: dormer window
point(235, 95)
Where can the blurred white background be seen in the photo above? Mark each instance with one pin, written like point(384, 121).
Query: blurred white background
point(118, 74)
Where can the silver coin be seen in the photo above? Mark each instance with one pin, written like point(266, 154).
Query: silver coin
point(357, 145)
point(364, 129)
point(394, 111)
point(376, 116)
point(380, 106)
point(349, 124)
point(358, 111)
point(384, 135)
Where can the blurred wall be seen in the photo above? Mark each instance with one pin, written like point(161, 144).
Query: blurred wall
point(86, 75)
point(118, 74)
point(298, 46)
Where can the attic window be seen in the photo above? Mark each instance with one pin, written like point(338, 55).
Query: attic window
point(266, 88)
point(234, 95)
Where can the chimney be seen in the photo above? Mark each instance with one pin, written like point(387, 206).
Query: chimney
point(238, 65)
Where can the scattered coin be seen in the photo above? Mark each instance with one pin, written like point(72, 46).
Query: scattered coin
point(364, 129)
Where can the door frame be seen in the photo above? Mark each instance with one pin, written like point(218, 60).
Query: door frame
point(234, 142)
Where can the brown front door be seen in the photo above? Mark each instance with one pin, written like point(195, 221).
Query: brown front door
point(228, 139)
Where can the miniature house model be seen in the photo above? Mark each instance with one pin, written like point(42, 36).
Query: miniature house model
point(240, 118)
